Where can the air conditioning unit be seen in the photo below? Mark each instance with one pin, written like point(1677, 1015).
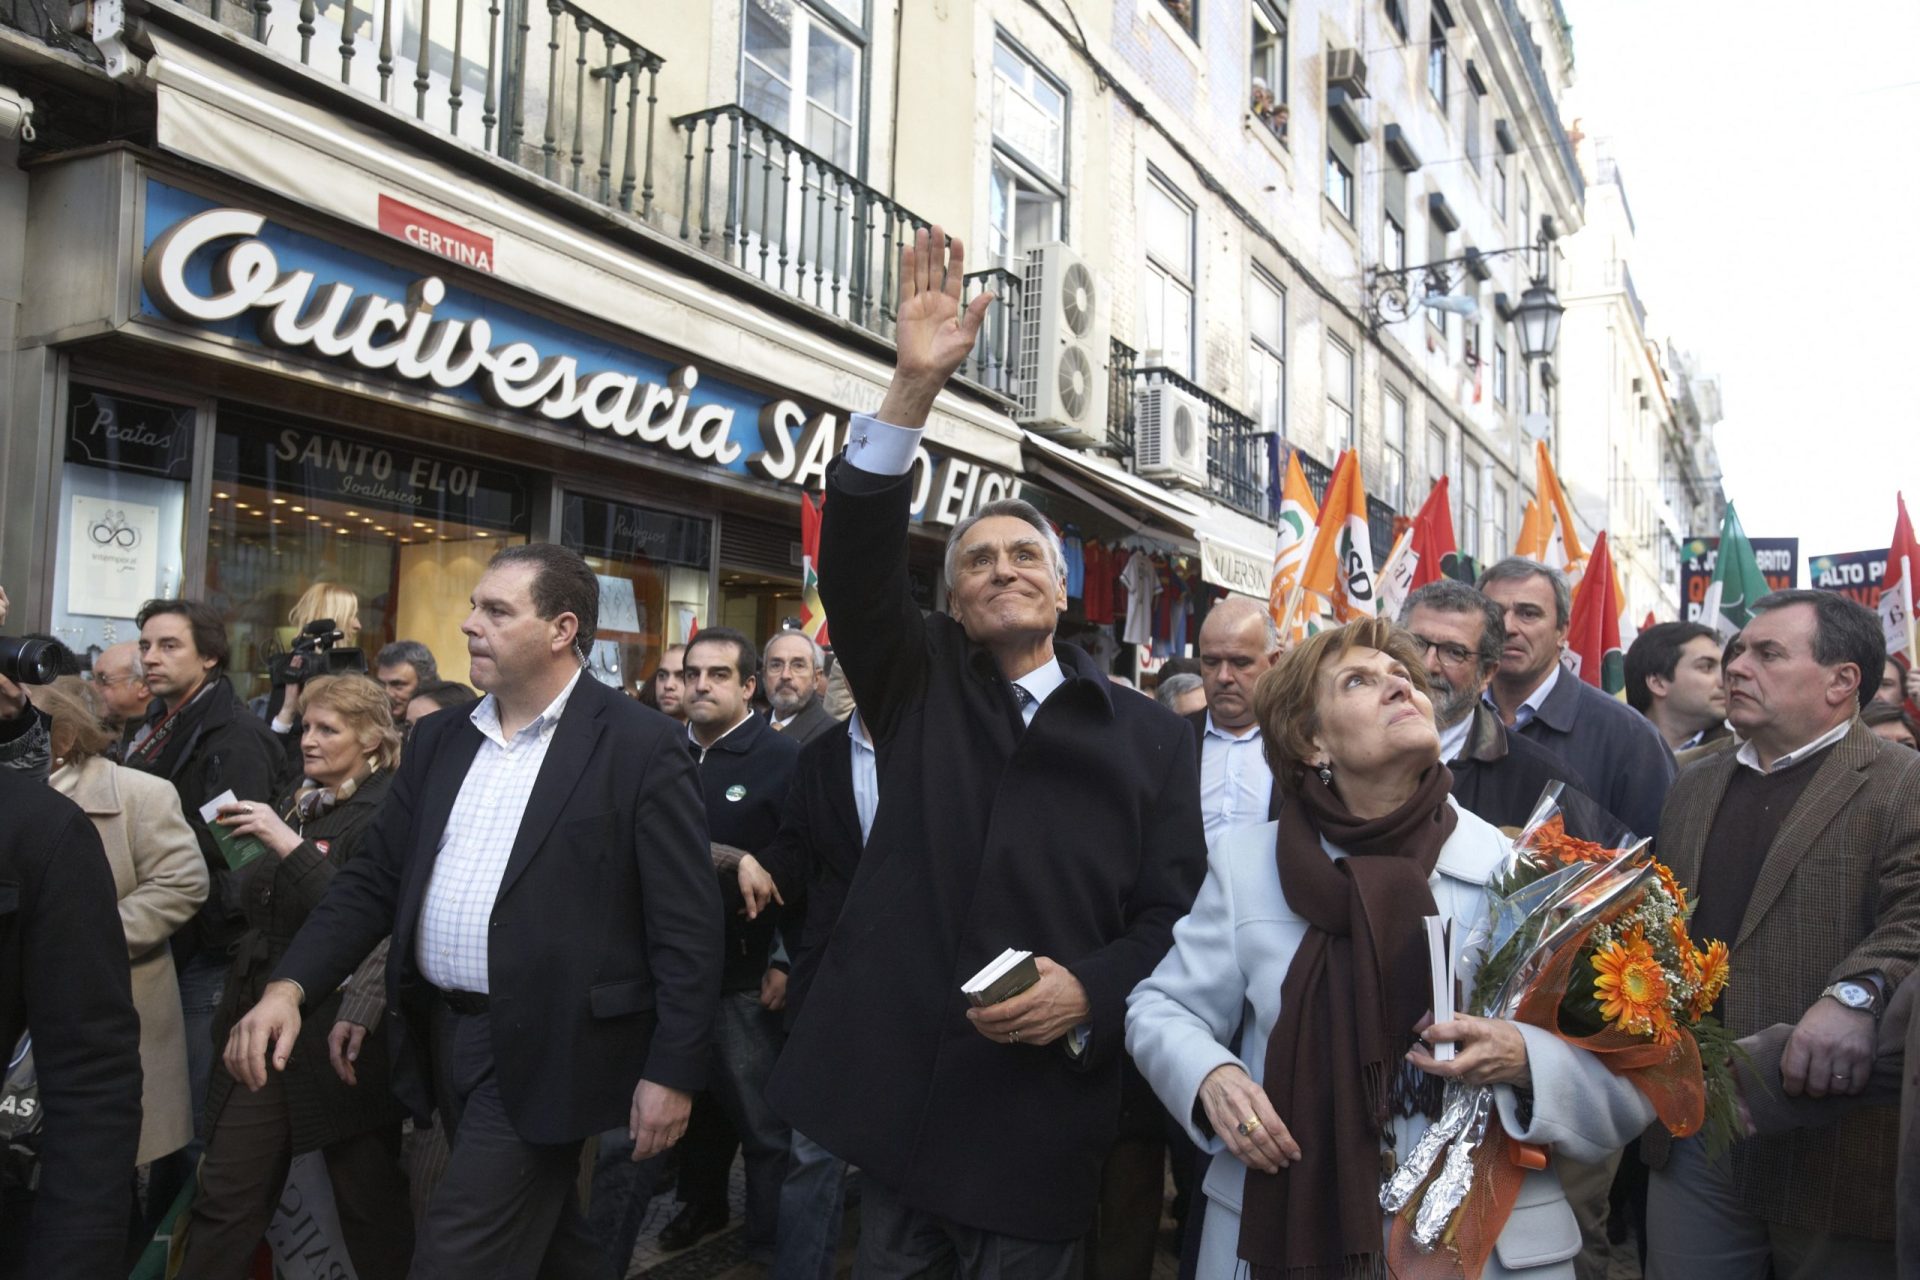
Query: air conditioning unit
point(1061, 375)
point(1347, 70)
point(1170, 435)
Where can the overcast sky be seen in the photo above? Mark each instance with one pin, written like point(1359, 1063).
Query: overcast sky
point(1771, 155)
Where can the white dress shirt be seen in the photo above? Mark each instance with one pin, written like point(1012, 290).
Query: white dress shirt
point(880, 447)
point(866, 775)
point(477, 842)
point(1236, 785)
point(1535, 700)
point(1039, 684)
point(1453, 739)
point(1750, 757)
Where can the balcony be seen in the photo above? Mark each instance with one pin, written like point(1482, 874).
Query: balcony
point(540, 83)
point(1236, 454)
point(1522, 33)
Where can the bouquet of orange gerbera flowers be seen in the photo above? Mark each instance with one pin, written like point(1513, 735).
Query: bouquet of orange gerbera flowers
point(1589, 943)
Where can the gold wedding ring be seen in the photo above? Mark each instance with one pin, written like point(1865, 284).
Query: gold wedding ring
point(1247, 1126)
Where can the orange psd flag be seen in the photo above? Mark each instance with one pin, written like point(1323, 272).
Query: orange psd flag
point(1593, 634)
point(1339, 566)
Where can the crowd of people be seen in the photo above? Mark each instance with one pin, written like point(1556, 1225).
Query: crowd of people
point(563, 944)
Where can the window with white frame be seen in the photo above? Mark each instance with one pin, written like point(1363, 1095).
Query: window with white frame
point(1340, 394)
point(1526, 208)
point(1472, 476)
point(1472, 124)
point(1393, 243)
point(1267, 75)
point(1497, 520)
point(1500, 185)
point(1167, 293)
point(1027, 193)
point(1500, 370)
point(801, 75)
point(1267, 352)
point(1437, 62)
point(1339, 177)
point(1436, 454)
point(1393, 449)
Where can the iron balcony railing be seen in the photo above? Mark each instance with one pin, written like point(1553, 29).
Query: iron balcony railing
point(1522, 32)
point(1380, 514)
point(1236, 452)
point(995, 361)
point(1120, 358)
point(791, 218)
point(541, 83)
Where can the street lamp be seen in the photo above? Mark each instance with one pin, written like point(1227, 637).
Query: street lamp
point(1395, 294)
point(1538, 318)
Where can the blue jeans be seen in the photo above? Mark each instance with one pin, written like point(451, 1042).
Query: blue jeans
point(622, 1190)
point(746, 1040)
point(202, 979)
point(811, 1208)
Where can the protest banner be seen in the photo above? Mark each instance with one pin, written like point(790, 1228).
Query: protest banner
point(1854, 574)
point(1779, 561)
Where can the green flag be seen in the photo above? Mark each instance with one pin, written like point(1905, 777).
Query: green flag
point(1737, 581)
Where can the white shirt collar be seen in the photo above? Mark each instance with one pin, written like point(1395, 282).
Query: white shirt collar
point(1042, 680)
point(1750, 757)
point(1454, 740)
point(486, 716)
point(1250, 734)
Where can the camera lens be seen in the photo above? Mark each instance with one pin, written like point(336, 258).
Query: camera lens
point(27, 661)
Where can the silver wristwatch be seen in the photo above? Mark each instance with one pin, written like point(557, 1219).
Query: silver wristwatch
point(1861, 996)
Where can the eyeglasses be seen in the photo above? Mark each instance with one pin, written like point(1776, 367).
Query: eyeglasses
point(1454, 655)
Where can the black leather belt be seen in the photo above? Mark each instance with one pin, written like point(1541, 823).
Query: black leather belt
point(468, 1002)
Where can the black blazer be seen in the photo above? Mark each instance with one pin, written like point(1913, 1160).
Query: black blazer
point(814, 856)
point(1276, 799)
point(743, 784)
point(1499, 776)
point(1078, 837)
point(64, 976)
point(604, 960)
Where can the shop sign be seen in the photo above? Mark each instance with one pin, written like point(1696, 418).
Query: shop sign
point(299, 460)
point(233, 272)
point(619, 531)
point(1854, 574)
point(1779, 564)
point(127, 433)
point(1234, 568)
point(436, 235)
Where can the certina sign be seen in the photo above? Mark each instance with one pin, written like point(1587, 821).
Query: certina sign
point(436, 235)
point(404, 338)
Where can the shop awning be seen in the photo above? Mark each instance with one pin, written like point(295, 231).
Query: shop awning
point(1235, 551)
point(219, 115)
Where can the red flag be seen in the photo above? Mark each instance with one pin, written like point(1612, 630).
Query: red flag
point(1650, 622)
point(1896, 585)
point(813, 614)
point(1433, 536)
point(1593, 635)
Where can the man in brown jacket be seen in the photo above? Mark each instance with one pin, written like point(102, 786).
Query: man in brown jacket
point(1803, 849)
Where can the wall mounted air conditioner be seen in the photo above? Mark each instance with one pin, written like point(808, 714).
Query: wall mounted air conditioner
point(1061, 375)
point(1346, 69)
point(1170, 435)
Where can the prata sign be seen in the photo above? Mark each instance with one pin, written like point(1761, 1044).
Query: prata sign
point(232, 271)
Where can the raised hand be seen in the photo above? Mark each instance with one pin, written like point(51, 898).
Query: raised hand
point(933, 333)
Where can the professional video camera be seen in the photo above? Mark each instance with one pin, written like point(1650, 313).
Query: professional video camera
point(29, 661)
point(314, 654)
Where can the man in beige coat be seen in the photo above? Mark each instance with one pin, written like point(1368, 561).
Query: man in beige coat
point(1802, 847)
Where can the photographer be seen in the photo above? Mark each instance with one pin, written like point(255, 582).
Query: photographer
point(24, 743)
point(326, 623)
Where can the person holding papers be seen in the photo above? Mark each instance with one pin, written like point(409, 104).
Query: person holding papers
point(1309, 940)
point(287, 854)
point(1025, 802)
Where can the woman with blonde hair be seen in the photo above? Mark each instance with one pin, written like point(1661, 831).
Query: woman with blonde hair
point(1307, 943)
point(349, 751)
point(161, 879)
point(328, 600)
point(333, 602)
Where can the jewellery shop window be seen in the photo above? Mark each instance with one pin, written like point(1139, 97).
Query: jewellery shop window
point(123, 507)
point(653, 567)
point(309, 523)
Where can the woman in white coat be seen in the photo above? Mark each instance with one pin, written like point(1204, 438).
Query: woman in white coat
point(1281, 1027)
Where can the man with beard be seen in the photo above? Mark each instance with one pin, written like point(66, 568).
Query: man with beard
point(1497, 775)
point(794, 665)
point(669, 683)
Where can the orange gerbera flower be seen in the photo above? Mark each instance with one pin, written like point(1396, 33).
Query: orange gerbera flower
point(1671, 884)
point(1715, 968)
point(1552, 840)
point(1684, 948)
point(1630, 984)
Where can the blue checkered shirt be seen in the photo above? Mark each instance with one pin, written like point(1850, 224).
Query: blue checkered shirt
point(476, 844)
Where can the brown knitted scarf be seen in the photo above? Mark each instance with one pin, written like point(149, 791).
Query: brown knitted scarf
point(1356, 988)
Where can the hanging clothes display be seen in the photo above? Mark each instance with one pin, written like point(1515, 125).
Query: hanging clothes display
point(1074, 555)
point(1142, 582)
